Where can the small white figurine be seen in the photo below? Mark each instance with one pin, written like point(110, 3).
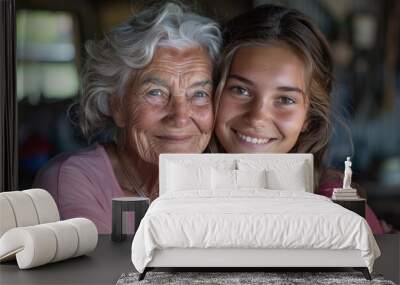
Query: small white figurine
point(347, 174)
point(346, 192)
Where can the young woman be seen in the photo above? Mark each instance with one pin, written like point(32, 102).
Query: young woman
point(273, 97)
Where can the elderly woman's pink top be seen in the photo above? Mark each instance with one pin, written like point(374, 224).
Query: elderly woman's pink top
point(83, 184)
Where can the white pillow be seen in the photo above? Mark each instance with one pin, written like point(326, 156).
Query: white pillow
point(293, 180)
point(223, 179)
point(251, 178)
point(181, 177)
point(227, 179)
point(281, 174)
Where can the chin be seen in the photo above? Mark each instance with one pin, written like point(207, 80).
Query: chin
point(180, 150)
point(152, 159)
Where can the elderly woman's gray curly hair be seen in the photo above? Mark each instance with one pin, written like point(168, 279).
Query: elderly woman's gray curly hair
point(131, 46)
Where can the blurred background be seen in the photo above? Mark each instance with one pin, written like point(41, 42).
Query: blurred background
point(364, 36)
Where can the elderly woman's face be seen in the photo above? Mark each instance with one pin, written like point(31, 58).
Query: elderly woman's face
point(263, 105)
point(168, 105)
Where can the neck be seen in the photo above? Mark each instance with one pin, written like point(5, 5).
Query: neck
point(134, 173)
point(147, 172)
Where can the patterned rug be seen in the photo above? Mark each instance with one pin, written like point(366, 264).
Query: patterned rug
point(243, 278)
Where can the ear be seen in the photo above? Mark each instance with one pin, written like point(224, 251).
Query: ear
point(117, 111)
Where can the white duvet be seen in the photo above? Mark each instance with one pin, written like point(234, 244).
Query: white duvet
point(251, 218)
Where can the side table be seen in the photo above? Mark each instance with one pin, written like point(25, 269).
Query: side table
point(138, 205)
point(355, 205)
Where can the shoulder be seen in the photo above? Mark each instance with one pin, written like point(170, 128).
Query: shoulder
point(80, 159)
point(79, 164)
point(330, 179)
point(93, 157)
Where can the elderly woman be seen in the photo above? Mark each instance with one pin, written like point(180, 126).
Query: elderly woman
point(150, 81)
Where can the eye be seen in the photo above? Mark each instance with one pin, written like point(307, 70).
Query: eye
point(155, 92)
point(157, 97)
point(200, 97)
point(285, 100)
point(200, 94)
point(238, 90)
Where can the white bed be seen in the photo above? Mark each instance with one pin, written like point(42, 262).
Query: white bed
point(247, 210)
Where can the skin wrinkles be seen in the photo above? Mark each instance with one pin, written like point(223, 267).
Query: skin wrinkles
point(264, 100)
point(159, 112)
point(183, 81)
point(183, 77)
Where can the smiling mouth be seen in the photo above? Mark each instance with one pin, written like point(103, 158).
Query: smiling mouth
point(175, 138)
point(253, 140)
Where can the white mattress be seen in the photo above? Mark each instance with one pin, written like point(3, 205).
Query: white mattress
point(250, 218)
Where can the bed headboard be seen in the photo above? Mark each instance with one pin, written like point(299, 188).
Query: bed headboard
point(286, 167)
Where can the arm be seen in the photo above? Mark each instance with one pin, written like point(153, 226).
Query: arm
point(79, 195)
point(76, 193)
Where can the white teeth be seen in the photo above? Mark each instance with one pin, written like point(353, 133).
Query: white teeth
point(251, 139)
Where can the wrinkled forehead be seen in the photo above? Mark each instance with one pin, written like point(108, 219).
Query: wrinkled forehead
point(178, 61)
point(170, 65)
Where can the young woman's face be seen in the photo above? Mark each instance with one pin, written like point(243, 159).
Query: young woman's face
point(263, 105)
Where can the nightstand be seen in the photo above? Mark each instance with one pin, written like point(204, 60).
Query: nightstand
point(137, 205)
point(355, 205)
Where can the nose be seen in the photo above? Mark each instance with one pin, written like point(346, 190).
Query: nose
point(259, 111)
point(179, 112)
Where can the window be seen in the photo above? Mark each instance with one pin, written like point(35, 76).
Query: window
point(46, 56)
